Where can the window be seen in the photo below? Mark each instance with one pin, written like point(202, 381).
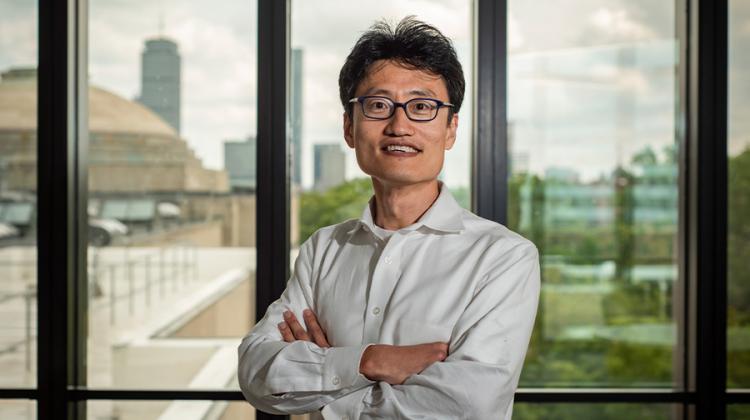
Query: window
point(738, 311)
point(596, 117)
point(593, 183)
point(18, 198)
point(172, 201)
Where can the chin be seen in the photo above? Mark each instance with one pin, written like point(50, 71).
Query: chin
point(402, 179)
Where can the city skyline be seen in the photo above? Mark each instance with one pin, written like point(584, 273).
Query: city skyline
point(219, 83)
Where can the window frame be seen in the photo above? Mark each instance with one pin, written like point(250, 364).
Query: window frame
point(62, 195)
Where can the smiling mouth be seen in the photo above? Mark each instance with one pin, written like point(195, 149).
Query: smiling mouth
point(398, 148)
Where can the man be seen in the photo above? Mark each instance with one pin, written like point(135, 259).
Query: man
point(420, 309)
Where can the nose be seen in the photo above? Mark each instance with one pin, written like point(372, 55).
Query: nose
point(399, 124)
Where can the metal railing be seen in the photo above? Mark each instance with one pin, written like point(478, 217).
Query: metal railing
point(126, 278)
point(167, 267)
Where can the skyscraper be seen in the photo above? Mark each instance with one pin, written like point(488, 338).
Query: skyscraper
point(240, 163)
point(160, 79)
point(330, 166)
point(295, 98)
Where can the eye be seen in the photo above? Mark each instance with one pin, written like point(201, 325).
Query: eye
point(422, 107)
point(377, 105)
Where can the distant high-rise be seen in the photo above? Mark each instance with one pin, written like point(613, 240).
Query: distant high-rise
point(330, 166)
point(160, 79)
point(295, 113)
point(239, 162)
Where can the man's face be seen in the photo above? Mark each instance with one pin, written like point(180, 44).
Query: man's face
point(370, 138)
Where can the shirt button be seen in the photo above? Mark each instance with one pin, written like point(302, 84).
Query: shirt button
point(376, 311)
point(388, 260)
point(336, 380)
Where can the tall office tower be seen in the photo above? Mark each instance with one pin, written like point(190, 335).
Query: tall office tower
point(160, 80)
point(240, 163)
point(330, 166)
point(295, 116)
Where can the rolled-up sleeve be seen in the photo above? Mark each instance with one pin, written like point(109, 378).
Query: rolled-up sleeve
point(480, 375)
point(291, 378)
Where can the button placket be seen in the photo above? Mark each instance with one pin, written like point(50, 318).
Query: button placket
point(384, 279)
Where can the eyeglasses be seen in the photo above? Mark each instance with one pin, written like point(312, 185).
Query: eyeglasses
point(417, 109)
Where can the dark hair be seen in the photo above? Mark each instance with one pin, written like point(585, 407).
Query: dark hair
point(413, 43)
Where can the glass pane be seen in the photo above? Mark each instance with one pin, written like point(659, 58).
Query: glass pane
point(173, 410)
point(17, 410)
point(738, 334)
point(593, 183)
point(567, 411)
point(172, 192)
point(18, 279)
point(738, 412)
point(165, 410)
point(328, 185)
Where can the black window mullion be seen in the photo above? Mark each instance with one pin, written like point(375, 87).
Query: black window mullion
point(490, 146)
point(273, 164)
point(61, 206)
point(707, 204)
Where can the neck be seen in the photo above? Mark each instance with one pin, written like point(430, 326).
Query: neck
point(398, 206)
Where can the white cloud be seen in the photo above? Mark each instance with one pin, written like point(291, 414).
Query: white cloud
point(18, 39)
point(515, 36)
point(618, 23)
point(217, 46)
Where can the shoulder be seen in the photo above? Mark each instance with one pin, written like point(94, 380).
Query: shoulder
point(501, 246)
point(324, 236)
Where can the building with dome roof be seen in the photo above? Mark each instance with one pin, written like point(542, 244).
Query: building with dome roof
point(131, 149)
point(138, 167)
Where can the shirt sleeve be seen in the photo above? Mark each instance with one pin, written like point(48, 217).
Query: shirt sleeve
point(292, 378)
point(480, 375)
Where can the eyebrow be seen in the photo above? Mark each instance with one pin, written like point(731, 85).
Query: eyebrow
point(386, 92)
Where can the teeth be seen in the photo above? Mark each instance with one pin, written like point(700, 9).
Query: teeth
point(400, 148)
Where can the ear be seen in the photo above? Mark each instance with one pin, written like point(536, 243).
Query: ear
point(450, 136)
point(348, 130)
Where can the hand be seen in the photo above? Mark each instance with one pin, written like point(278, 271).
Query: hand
point(394, 364)
point(292, 331)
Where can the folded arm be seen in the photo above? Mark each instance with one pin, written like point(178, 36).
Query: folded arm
point(479, 377)
point(295, 377)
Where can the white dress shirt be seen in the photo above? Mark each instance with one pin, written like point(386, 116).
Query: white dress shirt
point(452, 276)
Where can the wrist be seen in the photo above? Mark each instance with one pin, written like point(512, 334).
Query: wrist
point(366, 363)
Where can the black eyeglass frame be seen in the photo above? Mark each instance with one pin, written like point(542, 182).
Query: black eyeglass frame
point(361, 100)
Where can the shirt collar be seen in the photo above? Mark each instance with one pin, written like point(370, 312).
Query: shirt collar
point(443, 216)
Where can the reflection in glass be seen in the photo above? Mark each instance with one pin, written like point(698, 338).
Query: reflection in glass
point(18, 409)
point(327, 181)
point(18, 209)
point(593, 183)
point(171, 194)
point(178, 410)
point(568, 411)
point(738, 412)
point(182, 410)
point(738, 321)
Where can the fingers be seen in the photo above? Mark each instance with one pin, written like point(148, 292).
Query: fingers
point(442, 350)
point(297, 330)
point(314, 328)
point(286, 333)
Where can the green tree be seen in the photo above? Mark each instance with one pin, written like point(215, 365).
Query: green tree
point(624, 236)
point(335, 205)
point(738, 253)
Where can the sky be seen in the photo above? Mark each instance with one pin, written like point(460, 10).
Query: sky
point(590, 82)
